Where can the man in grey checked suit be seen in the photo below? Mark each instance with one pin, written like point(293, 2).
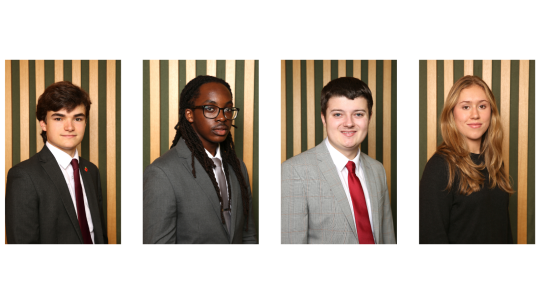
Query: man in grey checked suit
point(321, 202)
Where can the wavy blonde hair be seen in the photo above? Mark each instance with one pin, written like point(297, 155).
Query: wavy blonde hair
point(455, 150)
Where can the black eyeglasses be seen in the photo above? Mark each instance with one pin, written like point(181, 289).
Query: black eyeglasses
point(213, 112)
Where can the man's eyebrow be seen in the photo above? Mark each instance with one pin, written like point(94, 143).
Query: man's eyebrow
point(58, 114)
point(340, 110)
point(215, 103)
point(79, 115)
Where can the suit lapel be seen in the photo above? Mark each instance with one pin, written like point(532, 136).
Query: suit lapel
point(93, 201)
point(372, 189)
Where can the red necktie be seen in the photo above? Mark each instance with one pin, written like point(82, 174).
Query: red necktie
point(361, 216)
point(81, 211)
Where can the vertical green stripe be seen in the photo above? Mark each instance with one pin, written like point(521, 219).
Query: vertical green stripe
point(85, 85)
point(440, 96)
point(220, 69)
point(118, 152)
point(68, 70)
point(239, 102)
point(365, 78)
point(423, 116)
point(146, 113)
point(349, 70)
point(182, 79)
point(303, 102)
point(49, 72)
point(255, 177)
point(459, 69)
point(530, 158)
point(477, 68)
point(380, 107)
point(318, 85)
point(334, 69)
point(394, 144)
point(16, 111)
point(496, 84)
point(102, 129)
point(200, 67)
point(32, 106)
point(164, 106)
point(289, 102)
point(514, 133)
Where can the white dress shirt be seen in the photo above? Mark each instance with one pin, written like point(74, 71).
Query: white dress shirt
point(218, 156)
point(340, 161)
point(64, 162)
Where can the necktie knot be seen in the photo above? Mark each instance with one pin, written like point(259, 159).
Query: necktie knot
point(217, 162)
point(75, 164)
point(351, 166)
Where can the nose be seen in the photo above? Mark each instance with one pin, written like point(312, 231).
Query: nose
point(221, 115)
point(474, 113)
point(348, 121)
point(68, 125)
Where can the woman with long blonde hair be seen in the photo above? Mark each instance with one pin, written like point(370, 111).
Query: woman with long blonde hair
point(465, 190)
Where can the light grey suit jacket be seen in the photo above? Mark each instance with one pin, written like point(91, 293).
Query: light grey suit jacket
point(314, 205)
point(179, 208)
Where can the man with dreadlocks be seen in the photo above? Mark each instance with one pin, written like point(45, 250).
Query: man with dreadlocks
point(198, 192)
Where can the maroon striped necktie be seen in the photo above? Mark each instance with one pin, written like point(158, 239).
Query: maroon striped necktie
point(81, 211)
point(361, 216)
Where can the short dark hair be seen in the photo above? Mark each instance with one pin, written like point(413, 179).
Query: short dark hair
point(61, 95)
point(349, 87)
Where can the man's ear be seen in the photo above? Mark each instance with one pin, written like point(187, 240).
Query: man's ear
point(43, 125)
point(323, 120)
point(189, 115)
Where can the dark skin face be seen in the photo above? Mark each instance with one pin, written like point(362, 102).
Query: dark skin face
point(211, 131)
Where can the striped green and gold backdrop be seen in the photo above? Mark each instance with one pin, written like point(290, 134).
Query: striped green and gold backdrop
point(301, 126)
point(163, 81)
point(512, 83)
point(25, 82)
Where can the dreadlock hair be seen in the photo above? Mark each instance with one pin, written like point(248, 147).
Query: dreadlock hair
point(194, 143)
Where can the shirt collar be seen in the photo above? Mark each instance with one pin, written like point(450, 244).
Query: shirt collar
point(62, 158)
point(339, 159)
point(218, 153)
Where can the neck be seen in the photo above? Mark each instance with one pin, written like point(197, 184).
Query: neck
point(474, 146)
point(212, 149)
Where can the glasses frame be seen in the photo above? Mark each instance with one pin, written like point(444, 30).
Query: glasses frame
point(219, 111)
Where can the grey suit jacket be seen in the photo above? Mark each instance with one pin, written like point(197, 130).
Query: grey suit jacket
point(39, 208)
point(314, 205)
point(179, 208)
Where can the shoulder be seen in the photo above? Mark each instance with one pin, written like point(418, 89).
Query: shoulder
point(306, 158)
point(436, 164)
point(374, 164)
point(168, 159)
point(30, 165)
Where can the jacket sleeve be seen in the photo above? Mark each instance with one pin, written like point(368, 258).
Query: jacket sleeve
point(100, 205)
point(249, 236)
point(388, 234)
point(294, 211)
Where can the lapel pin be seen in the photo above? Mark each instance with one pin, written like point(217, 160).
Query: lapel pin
point(85, 169)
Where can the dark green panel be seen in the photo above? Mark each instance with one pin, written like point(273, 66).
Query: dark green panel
point(477, 68)
point(379, 101)
point(200, 67)
point(16, 111)
point(146, 113)
point(334, 69)
point(349, 70)
point(364, 71)
point(394, 151)
point(164, 143)
point(496, 83)
point(118, 152)
point(220, 69)
point(440, 97)
point(85, 85)
point(289, 102)
point(255, 177)
point(239, 102)
point(423, 116)
point(102, 129)
point(49, 72)
point(303, 101)
point(68, 70)
point(514, 133)
point(318, 85)
point(32, 106)
point(459, 69)
point(530, 158)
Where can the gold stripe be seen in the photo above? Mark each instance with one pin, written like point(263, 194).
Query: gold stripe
point(40, 88)
point(342, 68)
point(387, 123)
point(372, 130)
point(357, 69)
point(297, 108)
point(523, 135)
point(230, 77)
point(76, 80)
point(25, 109)
point(487, 71)
point(191, 70)
point(431, 107)
point(310, 98)
point(211, 67)
point(173, 98)
point(505, 112)
point(94, 118)
point(111, 151)
point(154, 110)
point(468, 67)
point(249, 100)
point(448, 77)
point(58, 70)
point(327, 76)
point(283, 113)
point(9, 127)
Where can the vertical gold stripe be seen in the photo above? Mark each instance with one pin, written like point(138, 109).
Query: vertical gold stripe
point(249, 100)
point(76, 80)
point(9, 128)
point(25, 109)
point(174, 98)
point(191, 70)
point(357, 69)
point(342, 68)
point(297, 108)
point(230, 78)
point(111, 151)
point(505, 112)
point(431, 107)
point(387, 123)
point(487, 71)
point(468, 67)
point(154, 110)
point(40, 88)
point(211, 66)
point(327, 76)
point(522, 151)
point(94, 118)
point(58, 70)
point(372, 130)
point(310, 98)
point(448, 77)
point(283, 113)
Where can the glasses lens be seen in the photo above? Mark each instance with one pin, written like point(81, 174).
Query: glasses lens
point(230, 113)
point(211, 111)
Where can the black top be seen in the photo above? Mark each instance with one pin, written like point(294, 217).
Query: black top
point(447, 217)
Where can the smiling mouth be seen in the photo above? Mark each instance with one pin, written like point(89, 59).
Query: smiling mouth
point(475, 126)
point(348, 133)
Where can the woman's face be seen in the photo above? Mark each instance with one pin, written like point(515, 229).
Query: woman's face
point(472, 115)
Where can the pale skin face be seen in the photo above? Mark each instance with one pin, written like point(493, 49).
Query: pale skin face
point(65, 130)
point(472, 115)
point(346, 124)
